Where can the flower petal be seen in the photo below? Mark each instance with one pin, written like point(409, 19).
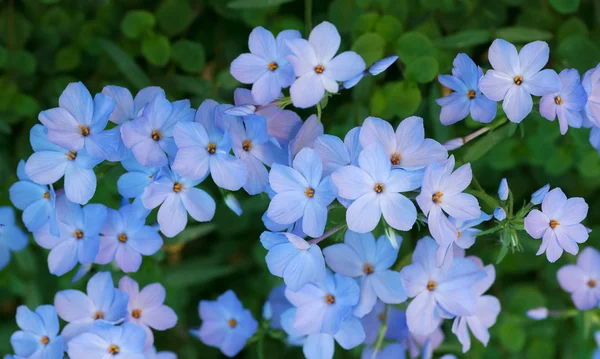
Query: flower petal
point(325, 39)
point(517, 104)
point(344, 66)
point(364, 213)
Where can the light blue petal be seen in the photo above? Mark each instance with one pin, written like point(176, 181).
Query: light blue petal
point(158, 111)
point(100, 289)
point(517, 104)
point(542, 83)
point(199, 204)
point(103, 108)
point(94, 217)
point(25, 344)
point(21, 171)
point(343, 259)
point(39, 142)
point(256, 129)
point(80, 184)
point(453, 83)
point(504, 57)
point(375, 161)
point(78, 101)
point(318, 346)
point(455, 107)
point(132, 184)
point(351, 333)
point(144, 97)
point(386, 254)
point(387, 285)
point(345, 66)
point(483, 109)
point(46, 167)
point(88, 249)
point(25, 193)
point(466, 70)
point(227, 171)
point(37, 214)
point(307, 266)
point(47, 313)
point(124, 110)
point(380, 66)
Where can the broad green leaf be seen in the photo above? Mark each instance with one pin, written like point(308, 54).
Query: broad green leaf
point(466, 38)
point(136, 22)
point(67, 58)
point(578, 52)
point(126, 65)
point(389, 27)
point(156, 49)
point(565, 6)
point(512, 335)
point(253, 4)
point(574, 26)
point(21, 61)
point(423, 69)
point(413, 45)
point(189, 55)
point(403, 98)
point(522, 34)
point(365, 23)
point(370, 47)
point(197, 272)
point(174, 16)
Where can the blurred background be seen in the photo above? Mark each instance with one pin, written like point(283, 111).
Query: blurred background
point(186, 46)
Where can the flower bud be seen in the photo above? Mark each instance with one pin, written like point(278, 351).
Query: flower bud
point(503, 190)
point(538, 313)
point(499, 214)
point(538, 196)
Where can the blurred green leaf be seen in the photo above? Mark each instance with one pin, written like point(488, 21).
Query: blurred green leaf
point(136, 22)
point(252, 4)
point(197, 272)
point(578, 52)
point(486, 143)
point(21, 61)
point(365, 23)
point(16, 28)
point(413, 45)
point(126, 65)
point(189, 55)
point(565, 6)
point(156, 49)
point(370, 47)
point(174, 16)
point(423, 69)
point(574, 26)
point(511, 334)
point(389, 28)
point(466, 38)
point(67, 58)
point(522, 34)
point(403, 98)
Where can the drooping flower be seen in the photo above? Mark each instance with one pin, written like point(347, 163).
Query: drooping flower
point(79, 122)
point(558, 224)
point(465, 233)
point(438, 292)
point(132, 183)
point(322, 306)
point(503, 190)
point(38, 337)
point(266, 66)
point(302, 192)
point(361, 257)
point(467, 98)
point(407, 148)
point(582, 280)
point(292, 258)
point(204, 148)
point(538, 196)
point(106, 341)
point(316, 67)
point(517, 76)
point(375, 188)
point(567, 103)
point(486, 312)
point(150, 136)
point(177, 197)
point(12, 238)
point(442, 190)
point(152, 353)
point(103, 303)
point(225, 324)
point(126, 237)
point(50, 163)
point(335, 153)
point(146, 309)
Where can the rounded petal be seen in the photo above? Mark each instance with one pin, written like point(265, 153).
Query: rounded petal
point(308, 163)
point(78, 101)
point(287, 207)
point(343, 259)
point(80, 184)
point(483, 109)
point(73, 305)
point(571, 278)
point(352, 182)
point(199, 204)
point(307, 90)
point(377, 130)
point(63, 258)
point(495, 84)
point(543, 83)
point(314, 218)
point(344, 66)
point(325, 39)
point(283, 179)
point(160, 318)
point(421, 315)
point(172, 216)
point(318, 346)
point(364, 213)
point(517, 104)
point(46, 167)
point(453, 83)
point(375, 162)
point(399, 212)
point(388, 286)
point(455, 107)
point(248, 68)
point(504, 57)
point(533, 57)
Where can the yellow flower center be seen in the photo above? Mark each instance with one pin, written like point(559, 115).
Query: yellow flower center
point(471, 94)
point(379, 187)
point(431, 285)
point(122, 237)
point(232, 323)
point(113, 349)
point(558, 100)
point(553, 223)
point(78, 234)
point(437, 197)
point(368, 269)
point(247, 145)
point(137, 313)
point(458, 234)
point(84, 130)
point(156, 135)
point(47, 195)
point(178, 187)
point(319, 69)
point(71, 155)
point(99, 315)
point(518, 80)
point(273, 66)
point(329, 299)
point(211, 148)
point(395, 159)
point(309, 192)
point(591, 283)
point(44, 340)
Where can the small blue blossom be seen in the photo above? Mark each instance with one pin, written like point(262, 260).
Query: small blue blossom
point(503, 190)
point(594, 95)
point(38, 337)
point(306, 136)
point(275, 305)
point(499, 213)
point(538, 196)
point(467, 98)
point(335, 154)
point(132, 183)
point(103, 303)
point(361, 257)
point(292, 258)
point(150, 136)
point(12, 238)
point(225, 324)
point(177, 196)
point(105, 341)
point(518, 75)
point(539, 313)
point(316, 67)
point(466, 234)
point(567, 103)
point(266, 66)
point(397, 329)
point(50, 163)
point(581, 279)
point(301, 193)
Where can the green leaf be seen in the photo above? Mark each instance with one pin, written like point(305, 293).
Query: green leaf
point(403, 98)
point(67, 58)
point(365, 23)
point(413, 45)
point(423, 69)
point(174, 16)
point(369, 46)
point(489, 141)
point(389, 27)
point(253, 4)
point(511, 334)
point(522, 34)
point(578, 52)
point(464, 39)
point(565, 6)
point(136, 22)
point(21, 61)
point(574, 26)
point(189, 55)
point(132, 72)
point(156, 49)
point(25, 105)
point(197, 272)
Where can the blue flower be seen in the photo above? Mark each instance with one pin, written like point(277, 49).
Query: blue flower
point(378, 67)
point(503, 190)
point(132, 183)
point(127, 108)
point(266, 66)
point(539, 313)
point(499, 213)
point(467, 98)
point(567, 103)
point(466, 234)
point(558, 224)
point(275, 305)
point(438, 292)
point(389, 351)
point(152, 353)
point(316, 67)
point(517, 76)
point(38, 337)
point(79, 239)
point(150, 136)
point(252, 144)
point(369, 261)
point(589, 120)
point(50, 163)
point(297, 261)
point(581, 279)
point(395, 319)
point(177, 197)
point(375, 189)
point(407, 148)
point(12, 238)
point(594, 95)
point(306, 136)
point(225, 324)
point(538, 196)
point(80, 121)
point(126, 237)
point(335, 154)
point(233, 204)
point(204, 148)
point(103, 303)
point(103, 341)
point(301, 193)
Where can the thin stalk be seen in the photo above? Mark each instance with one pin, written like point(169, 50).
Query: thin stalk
point(381, 334)
point(308, 16)
point(329, 233)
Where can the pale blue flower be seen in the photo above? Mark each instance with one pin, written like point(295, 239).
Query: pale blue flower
point(38, 337)
point(152, 353)
point(275, 305)
point(538, 196)
point(132, 183)
point(335, 154)
point(539, 313)
point(499, 213)
point(306, 136)
point(12, 238)
point(589, 120)
point(375, 69)
point(503, 190)
point(105, 341)
point(567, 103)
point(465, 233)
point(581, 279)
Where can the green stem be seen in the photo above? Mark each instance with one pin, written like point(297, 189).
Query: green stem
point(308, 18)
point(381, 334)
point(260, 347)
point(330, 232)
point(319, 111)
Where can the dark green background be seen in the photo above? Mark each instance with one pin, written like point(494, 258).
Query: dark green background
point(186, 47)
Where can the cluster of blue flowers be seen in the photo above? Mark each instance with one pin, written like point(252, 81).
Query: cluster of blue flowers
point(352, 292)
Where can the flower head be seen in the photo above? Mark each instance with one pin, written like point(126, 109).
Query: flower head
point(360, 256)
point(395, 319)
point(467, 98)
point(465, 231)
point(316, 67)
point(275, 305)
point(518, 75)
point(225, 324)
point(375, 188)
point(266, 66)
point(582, 280)
point(107, 341)
point(132, 183)
point(499, 213)
point(12, 238)
point(38, 337)
point(335, 153)
point(103, 303)
point(558, 224)
point(567, 103)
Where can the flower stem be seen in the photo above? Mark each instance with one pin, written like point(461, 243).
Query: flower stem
point(329, 233)
point(308, 16)
point(381, 334)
